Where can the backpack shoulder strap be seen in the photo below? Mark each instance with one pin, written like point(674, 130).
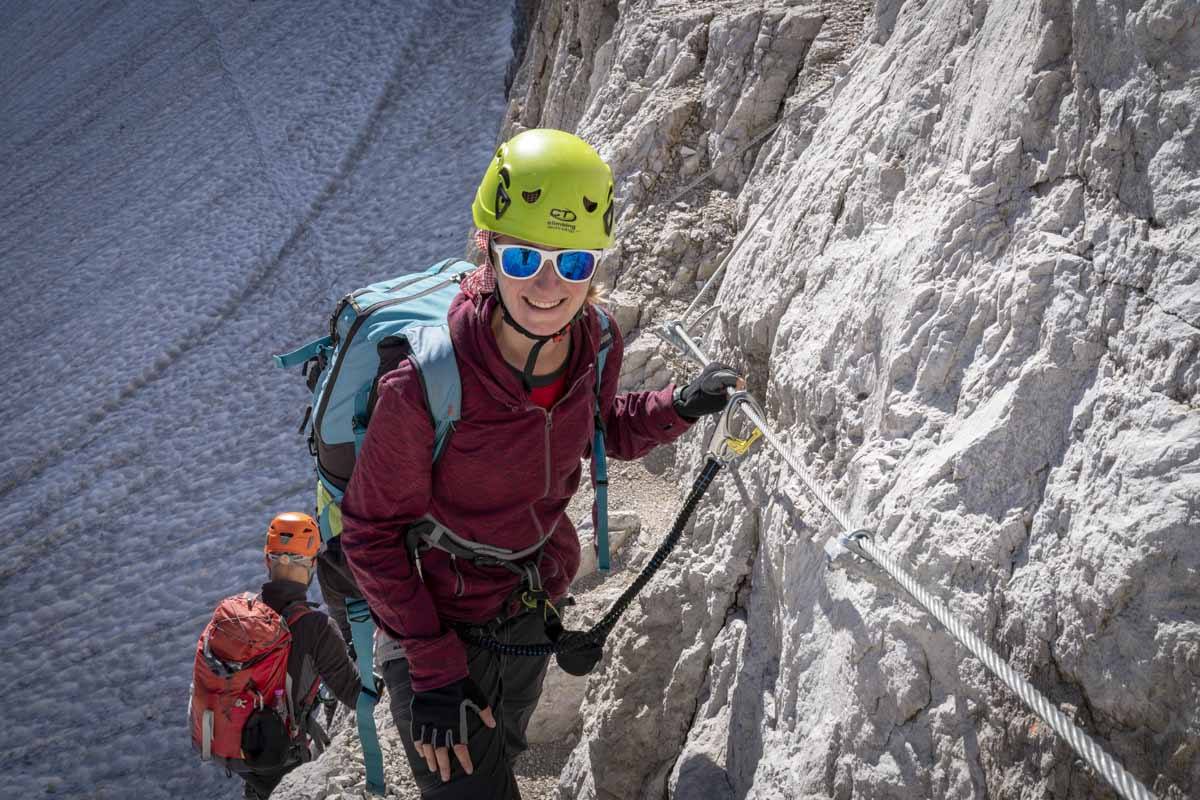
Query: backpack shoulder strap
point(605, 346)
point(294, 611)
point(599, 457)
point(433, 354)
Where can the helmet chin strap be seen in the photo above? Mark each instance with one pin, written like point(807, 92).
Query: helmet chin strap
point(540, 341)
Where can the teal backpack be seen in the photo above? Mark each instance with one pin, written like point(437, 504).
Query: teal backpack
point(370, 332)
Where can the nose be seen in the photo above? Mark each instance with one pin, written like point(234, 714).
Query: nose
point(547, 275)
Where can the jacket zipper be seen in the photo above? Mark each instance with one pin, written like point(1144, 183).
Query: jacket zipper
point(546, 490)
point(549, 415)
point(574, 386)
point(537, 523)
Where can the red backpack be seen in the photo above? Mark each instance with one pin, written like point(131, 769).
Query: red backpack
point(235, 714)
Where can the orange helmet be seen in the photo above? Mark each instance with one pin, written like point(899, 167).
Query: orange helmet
point(293, 533)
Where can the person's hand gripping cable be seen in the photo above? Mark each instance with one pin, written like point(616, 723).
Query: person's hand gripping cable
point(708, 392)
point(439, 724)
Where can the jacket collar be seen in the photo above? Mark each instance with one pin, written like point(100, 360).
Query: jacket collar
point(281, 594)
point(476, 348)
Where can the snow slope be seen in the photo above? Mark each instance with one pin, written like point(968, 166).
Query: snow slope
point(187, 188)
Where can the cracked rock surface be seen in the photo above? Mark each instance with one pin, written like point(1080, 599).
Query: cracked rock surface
point(971, 308)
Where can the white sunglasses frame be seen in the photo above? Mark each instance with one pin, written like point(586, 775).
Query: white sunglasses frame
point(547, 255)
point(309, 562)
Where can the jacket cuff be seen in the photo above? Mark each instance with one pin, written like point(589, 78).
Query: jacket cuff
point(437, 662)
point(663, 415)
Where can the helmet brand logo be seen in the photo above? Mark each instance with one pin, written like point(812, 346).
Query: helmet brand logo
point(563, 214)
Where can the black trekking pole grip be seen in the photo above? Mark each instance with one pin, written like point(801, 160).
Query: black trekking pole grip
point(598, 633)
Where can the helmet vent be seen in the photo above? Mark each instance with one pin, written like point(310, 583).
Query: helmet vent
point(505, 177)
point(502, 200)
point(589, 205)
point(532, 197)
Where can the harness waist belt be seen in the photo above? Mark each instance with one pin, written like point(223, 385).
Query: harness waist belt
point(433, 534)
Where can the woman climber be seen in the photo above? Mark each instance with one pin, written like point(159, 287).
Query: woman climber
point(526, 332)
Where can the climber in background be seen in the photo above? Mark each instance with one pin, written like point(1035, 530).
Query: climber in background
point(259, 665)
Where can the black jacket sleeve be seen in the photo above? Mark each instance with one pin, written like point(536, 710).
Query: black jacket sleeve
point(329, 656)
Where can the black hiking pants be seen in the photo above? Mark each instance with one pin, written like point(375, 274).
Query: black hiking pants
point(259, 785)
point(333, 575)
point(261, 782)
point(512, 684)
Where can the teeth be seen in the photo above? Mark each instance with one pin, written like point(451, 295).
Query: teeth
point(536, 304)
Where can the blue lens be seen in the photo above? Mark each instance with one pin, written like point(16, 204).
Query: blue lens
point(576, 265)
point(520, 262)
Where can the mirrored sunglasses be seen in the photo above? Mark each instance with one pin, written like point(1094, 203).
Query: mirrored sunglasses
point(522, 262)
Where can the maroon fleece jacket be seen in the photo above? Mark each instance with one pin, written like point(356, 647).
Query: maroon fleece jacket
point(505, 479)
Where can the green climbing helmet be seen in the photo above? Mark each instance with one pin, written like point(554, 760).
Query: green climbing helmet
point(547, 187)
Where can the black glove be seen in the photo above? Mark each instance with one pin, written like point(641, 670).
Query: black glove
point(439, 716)
point(706, 394)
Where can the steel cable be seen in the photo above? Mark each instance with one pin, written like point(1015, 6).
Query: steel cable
point(1128, 786)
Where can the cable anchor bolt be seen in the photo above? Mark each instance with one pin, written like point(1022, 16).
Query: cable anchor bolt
point(837, 548)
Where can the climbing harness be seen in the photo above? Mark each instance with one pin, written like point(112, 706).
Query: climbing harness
point(723, 448)
point(858, 541)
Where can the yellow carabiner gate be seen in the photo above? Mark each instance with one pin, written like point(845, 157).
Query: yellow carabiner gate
point(724, 446)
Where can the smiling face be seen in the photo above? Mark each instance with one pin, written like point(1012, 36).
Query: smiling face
point(543, 304)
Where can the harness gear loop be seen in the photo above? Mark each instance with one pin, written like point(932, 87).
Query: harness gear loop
point(535, 597)
point(533, 578)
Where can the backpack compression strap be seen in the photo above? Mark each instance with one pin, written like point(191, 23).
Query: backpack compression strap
point(362, 631)
point(362, 635)
point(308, 351)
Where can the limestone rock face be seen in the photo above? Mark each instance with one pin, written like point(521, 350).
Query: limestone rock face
point(972, 309)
